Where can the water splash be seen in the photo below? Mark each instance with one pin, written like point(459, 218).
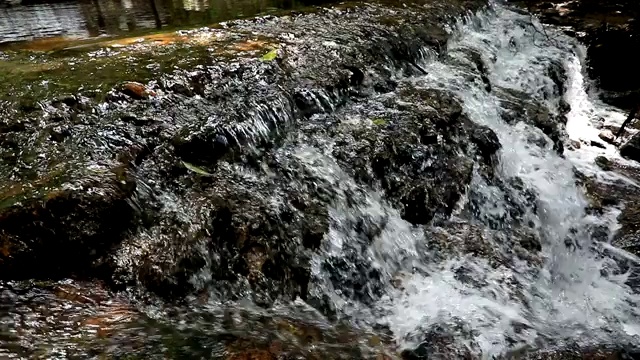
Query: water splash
point(570, 299)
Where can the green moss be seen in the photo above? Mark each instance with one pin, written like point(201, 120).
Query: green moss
point(12, 194)
point(379, 122)
point(26, 79)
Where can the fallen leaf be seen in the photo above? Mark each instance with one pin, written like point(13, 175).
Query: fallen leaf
point(270, 56)
point(196, 169)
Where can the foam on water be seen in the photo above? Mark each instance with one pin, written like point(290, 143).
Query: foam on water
point(584, 121)
point(569, 299)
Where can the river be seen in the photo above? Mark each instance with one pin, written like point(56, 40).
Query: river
point(83, 19)
point(511, 264)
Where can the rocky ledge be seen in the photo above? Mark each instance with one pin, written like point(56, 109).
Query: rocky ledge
point(192, 186)
point(169, 201)
point(610, 30)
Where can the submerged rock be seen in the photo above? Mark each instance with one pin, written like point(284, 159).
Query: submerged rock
point(603, 163)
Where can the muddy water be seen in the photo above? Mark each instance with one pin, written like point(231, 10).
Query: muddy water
point(89, 18)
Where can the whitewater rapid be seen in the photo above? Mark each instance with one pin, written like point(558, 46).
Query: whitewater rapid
point(576, 297)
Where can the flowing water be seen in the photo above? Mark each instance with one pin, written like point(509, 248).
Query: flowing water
point(577, 296)
point(381, 274)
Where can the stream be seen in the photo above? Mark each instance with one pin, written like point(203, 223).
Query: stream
point(512, 262)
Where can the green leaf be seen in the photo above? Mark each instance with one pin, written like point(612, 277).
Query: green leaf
point(196, 169)
point(379, 122)
point(270, 56)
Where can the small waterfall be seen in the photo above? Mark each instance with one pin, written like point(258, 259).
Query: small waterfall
point(572, 298)
point(408, 230)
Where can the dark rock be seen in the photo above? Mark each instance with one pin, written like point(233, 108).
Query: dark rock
point(448, 109)
point(232, 240)
point(603, 163)
point(181, 89)
point(69, 100)
point(59, 133)
point(564, 107)
point(486, 140)
point(11, 125)
point(631, 149)
point(62, 229)
point(557, 73)
point(422, 175)
point(517, 106)
point(440, 342)
point(597, 144)
point(455, 238)
point(138, 121)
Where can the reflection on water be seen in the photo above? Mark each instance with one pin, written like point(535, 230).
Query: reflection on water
point(26, 20)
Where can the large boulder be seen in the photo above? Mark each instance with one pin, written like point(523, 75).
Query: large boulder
point(58, 224)
point(419, 147)
point(230, 234)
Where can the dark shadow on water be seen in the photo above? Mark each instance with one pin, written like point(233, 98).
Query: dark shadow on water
point(33, 19)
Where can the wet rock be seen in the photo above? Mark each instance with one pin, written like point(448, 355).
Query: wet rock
point(597, 144)
point(81, 317)
point(631, 149)
point(138, 121)
point(603, 163)
point(233, 241)
point(455, 238)
point(575, 353)
point(608, 29)
point(440, 342)
point(518, 106)
point(123, 205)
point(63, 220)
point(11, 125)
point(63, 101)
point(614, 129)
point(59, 133)
point(607, 136)
point(423, 175)
point(486, 140)
point(136, 90)
point(557, 73)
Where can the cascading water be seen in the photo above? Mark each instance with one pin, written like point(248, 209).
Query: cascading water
point(574, 298)
point(391, 191)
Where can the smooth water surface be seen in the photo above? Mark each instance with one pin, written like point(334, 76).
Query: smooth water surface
point(89, 18)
